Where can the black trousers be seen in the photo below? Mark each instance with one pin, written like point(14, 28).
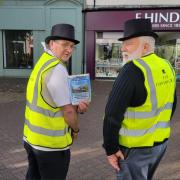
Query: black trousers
point(47, 165)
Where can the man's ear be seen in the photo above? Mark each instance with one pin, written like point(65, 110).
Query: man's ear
point(146, 48)
point(51, 44)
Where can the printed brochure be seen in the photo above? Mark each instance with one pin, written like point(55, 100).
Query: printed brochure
point(80, 88)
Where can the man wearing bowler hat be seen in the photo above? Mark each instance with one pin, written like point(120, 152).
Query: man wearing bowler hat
point(140, 106)
point(51, 121)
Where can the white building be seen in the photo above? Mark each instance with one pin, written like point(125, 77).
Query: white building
point(130, 3)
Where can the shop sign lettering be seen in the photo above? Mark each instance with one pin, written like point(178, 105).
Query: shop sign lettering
point(161, 20)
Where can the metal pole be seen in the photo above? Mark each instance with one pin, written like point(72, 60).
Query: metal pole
point(94, 3)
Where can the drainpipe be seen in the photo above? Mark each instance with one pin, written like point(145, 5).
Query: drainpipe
point(84, 45)
point(94, 4)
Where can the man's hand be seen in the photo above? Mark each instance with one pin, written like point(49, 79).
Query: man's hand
point(82, 106)
point(114, 159)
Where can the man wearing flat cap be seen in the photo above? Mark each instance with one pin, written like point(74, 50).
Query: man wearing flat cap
point(51, 121)
point(140, 106)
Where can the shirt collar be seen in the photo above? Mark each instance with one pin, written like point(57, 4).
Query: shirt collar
point(148, 54)
point(46, 49)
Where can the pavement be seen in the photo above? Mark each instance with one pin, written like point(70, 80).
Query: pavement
point(88, 161)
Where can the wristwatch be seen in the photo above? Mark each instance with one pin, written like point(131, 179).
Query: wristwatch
point(75, 131)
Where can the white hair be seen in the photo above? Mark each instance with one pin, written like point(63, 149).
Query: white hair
point(150, 40)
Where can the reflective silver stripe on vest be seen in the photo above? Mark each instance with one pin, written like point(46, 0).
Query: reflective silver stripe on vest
point(34, 101)
point(44, 111)
point(126, 132)
point(33, 106)
point(44, 131)
point(155, 111)
point(143, 115)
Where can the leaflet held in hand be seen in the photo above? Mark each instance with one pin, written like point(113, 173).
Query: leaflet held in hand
point(80, 88)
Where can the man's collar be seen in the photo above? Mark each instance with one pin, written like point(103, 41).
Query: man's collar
point(46, 49)
point(148, 54)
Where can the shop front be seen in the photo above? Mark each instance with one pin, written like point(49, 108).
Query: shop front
point(23, 28)
point(104, 27)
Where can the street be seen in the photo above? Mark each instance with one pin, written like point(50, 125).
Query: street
point(88, 161)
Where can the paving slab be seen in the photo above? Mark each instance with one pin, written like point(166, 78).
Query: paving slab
point(88, 161)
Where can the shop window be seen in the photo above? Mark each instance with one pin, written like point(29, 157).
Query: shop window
point(108, 56)
point(18, 49)
point(177, 59)
point(170, 50)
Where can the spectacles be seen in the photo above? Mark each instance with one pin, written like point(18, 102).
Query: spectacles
point(66, 44)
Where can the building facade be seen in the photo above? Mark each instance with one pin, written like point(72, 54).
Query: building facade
point(104, 25)
point(24, 24)
point(134, 3)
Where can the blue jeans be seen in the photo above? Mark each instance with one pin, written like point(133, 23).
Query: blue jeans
point(140, 163)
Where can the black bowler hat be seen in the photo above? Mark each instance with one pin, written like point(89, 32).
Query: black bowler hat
point(62, 31)
point(137, 27)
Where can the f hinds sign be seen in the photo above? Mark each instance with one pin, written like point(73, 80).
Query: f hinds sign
point(161, 19)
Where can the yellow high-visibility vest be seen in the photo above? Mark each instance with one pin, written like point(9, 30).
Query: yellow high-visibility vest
point(149, 123)
point(44, 125)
